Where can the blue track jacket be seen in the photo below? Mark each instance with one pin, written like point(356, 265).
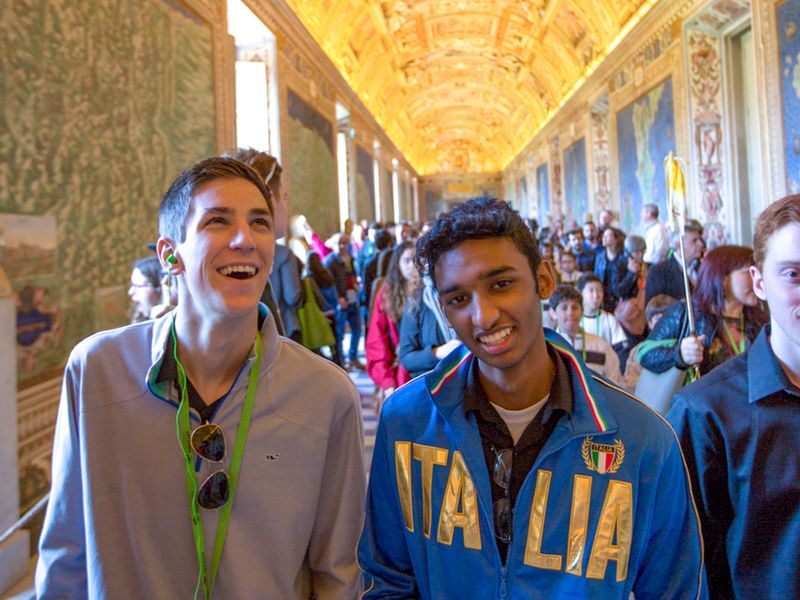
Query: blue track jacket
point(606, 509)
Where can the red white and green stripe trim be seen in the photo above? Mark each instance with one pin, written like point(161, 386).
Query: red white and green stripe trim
point(580, 370)
point(449, 373)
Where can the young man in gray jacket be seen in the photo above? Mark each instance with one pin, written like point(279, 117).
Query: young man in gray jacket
point(188, 459)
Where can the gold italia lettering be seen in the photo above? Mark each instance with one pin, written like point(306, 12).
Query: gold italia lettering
point(615, 518)
point(402, 466)
point(428, 456)
point(460, 490)
point(533, 548)
point(578, 523)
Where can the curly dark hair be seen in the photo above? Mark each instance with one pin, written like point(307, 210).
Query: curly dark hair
point(476, 219)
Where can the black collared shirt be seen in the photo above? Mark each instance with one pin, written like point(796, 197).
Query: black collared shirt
point(169, 372)
point(496, 436)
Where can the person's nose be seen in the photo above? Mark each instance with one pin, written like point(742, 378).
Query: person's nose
point(484, 312)
point(242, 237)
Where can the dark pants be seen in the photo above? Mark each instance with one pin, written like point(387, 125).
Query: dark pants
point(348, 315)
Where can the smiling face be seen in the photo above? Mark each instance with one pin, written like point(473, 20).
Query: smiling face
point(224, 262)
point(778, 283)
point(489, 295)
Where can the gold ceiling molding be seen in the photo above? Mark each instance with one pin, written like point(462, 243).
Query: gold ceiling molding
point(463, 85)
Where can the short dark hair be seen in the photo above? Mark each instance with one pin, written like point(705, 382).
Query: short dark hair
point(587, 278)
point(476, 219)
point(177, 201)
point(383, 239)
point(651, 209)
point(658, 305)
point(565, 292)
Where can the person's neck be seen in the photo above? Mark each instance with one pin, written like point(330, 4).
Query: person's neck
point(611, 254)
point(213, 352)
point(524, 385)
point(732, 309)
point(787, 351)
point(591, 313)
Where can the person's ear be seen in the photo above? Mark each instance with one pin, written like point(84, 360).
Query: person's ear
point(758, 283)
point(165, 249)
point(546, 279)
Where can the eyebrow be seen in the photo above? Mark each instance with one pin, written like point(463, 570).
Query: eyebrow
point(483, 277)
point(225, 210)
point(788, 263)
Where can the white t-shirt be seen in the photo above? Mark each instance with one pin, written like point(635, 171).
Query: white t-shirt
point(518, 420)
point(656, 239)
point(600, 356)
point(606, 326)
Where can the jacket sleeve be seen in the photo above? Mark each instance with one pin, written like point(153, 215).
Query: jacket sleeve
point(672, 564)
point(703, 449)
point(340, 510)
point(317, 244)
point(414, 357)
point(61, 569)
point(379, 351)
point(625, 283)
point(660, 359)
point(382, 551)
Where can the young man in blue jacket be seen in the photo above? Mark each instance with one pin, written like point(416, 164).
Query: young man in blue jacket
point(738, 426)
point(511, 470)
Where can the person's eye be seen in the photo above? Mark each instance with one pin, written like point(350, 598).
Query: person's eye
point(216, 221)
point(503, 283)
point(263, 222)
point(456, 300)
point(791, 273)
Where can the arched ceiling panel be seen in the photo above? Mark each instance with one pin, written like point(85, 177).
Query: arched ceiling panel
point(462, 85)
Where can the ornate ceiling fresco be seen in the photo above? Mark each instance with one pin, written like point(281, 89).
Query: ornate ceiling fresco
point(463, 85)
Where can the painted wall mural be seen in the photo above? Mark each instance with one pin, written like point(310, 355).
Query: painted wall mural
point(314, 190)
point(706, 110)
point(365, 185)
point(104, 103)
point(645, 134)
point(788, 24)
point(522, 196)
point(543, 195)
point(601, 159)
point(555, 178)
point(576, 184)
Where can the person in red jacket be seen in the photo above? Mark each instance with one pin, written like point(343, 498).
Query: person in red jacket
point(401, 283)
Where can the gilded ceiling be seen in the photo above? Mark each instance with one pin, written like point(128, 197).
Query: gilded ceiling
point(463, 85)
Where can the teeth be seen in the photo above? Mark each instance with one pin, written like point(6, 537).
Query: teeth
point(247, 269)
point(495, 338)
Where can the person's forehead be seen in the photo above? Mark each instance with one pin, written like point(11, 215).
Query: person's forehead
point(592, 285)
point(784, 244)
point(474, 257)
point(569, 303)
point(137, 276)
point(229, 192)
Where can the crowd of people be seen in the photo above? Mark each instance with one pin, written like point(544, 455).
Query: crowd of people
point(516, 455)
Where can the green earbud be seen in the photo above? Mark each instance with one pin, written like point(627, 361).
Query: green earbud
point(172, 259)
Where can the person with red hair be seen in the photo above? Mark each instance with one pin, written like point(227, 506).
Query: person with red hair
point(727, 316)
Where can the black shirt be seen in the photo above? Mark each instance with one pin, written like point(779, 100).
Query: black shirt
point(496, 436)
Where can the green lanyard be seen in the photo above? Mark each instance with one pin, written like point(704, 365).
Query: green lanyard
point(184, 429)
point(735, 350)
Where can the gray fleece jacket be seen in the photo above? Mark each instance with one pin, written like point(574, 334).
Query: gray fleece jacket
point(118, 523)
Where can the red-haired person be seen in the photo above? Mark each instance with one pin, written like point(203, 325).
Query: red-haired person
point(401, 284)
point(738, 430)
point(727, 317)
